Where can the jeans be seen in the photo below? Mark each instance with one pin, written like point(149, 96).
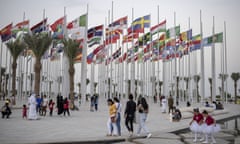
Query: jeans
point(142, 120)
point(118, 123)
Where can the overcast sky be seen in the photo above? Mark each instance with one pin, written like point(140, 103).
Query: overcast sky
point(222, 10)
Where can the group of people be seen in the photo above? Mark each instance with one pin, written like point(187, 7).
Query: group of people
point(39, 105)
point(204, 126)
point(113, 123)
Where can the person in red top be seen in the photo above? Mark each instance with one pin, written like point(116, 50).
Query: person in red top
point(51, 106)
point(209, 127)
point(66, 107)
point(24, 112)
point(196, 124)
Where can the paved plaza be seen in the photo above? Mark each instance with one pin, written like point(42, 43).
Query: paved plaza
point(84, 126)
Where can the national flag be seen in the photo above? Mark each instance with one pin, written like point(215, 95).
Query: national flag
point(95, 31)
point(218, 38)
point(58, 28)
point(116, 54)
point(77, 27)
point(144, 39)
point(119, 24)
point(130, 37)
point(6, 33)
point(20, 27)
point(140, 23)
point(185, 36)
point(195, 44)
point(90, 58)
point(174, 31)
point(161, 27)
point(112, 36)
point(39, 27)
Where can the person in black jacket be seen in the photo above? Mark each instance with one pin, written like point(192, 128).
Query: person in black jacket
point(129, 114)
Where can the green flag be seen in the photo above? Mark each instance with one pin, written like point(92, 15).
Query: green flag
point(83, 20)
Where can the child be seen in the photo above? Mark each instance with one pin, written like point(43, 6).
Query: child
point(210, 127)
point(66, 107)
point(24, 111)
point(196, 124)
point(51, 106)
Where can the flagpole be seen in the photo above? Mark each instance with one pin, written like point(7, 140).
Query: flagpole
point(202, 63)
point(225, 56)
point(189, 70)
point(84, 60)
point(213, 66)
point(132, 64)
point(1, 66)
point(175, 63)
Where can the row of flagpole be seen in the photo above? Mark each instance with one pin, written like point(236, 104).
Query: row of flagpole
point(173, 68)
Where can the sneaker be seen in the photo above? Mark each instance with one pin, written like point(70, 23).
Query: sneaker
point(202, 139)
point(214, 141)
point(205, 142)
point(149, 135)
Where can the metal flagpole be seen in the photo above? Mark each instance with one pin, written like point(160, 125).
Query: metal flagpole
point(225, 56)
point(84, 61)
point(1, 66)
point(189, 70)
point(175, 63)
point(213, 67)
point(132, 64)
point(202, 63)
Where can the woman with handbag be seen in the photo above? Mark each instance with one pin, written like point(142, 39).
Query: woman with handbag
point(111, 123)
point(142, 107)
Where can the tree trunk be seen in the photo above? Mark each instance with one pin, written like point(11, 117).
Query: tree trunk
point(14, 67)
point(71, 72)
point(235, 89)
point(37, 70)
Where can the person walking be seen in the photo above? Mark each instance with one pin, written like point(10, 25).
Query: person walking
point(164, 104)
point(66, 107)
point(44, 105)
point(143, 108)
point(51, 106)
point(111, 123)
point(24, 112)
point(118, 118)
point(170, 104)
point(129, 114)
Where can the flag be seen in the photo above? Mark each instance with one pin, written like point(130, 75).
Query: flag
point(187, 35)
point(144, 39)
point(78, 22)
point(90, 58)
point(95, 31)
point(58, 28)
point(159, 28)
point(76, 28)
point(218, 38)
point(39, 27)
point(6, 33)
point(112, 36)
point(121, 23)
point(130, 37)
point(116, 54)
point(195, 44)
point(20, 27)
point(174, 31)
point(140, 23)
point(95, 35)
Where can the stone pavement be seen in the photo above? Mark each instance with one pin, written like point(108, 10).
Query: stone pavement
point(84, 126)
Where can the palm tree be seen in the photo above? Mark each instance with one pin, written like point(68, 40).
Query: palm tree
point(210, 82)
point(38, 43)
point(196, 79)
point(16, 48)
point(223, 77)
point(2, 74)
point(235, 77)
point(71, 47)
point(186, 79)
point(95, 86)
